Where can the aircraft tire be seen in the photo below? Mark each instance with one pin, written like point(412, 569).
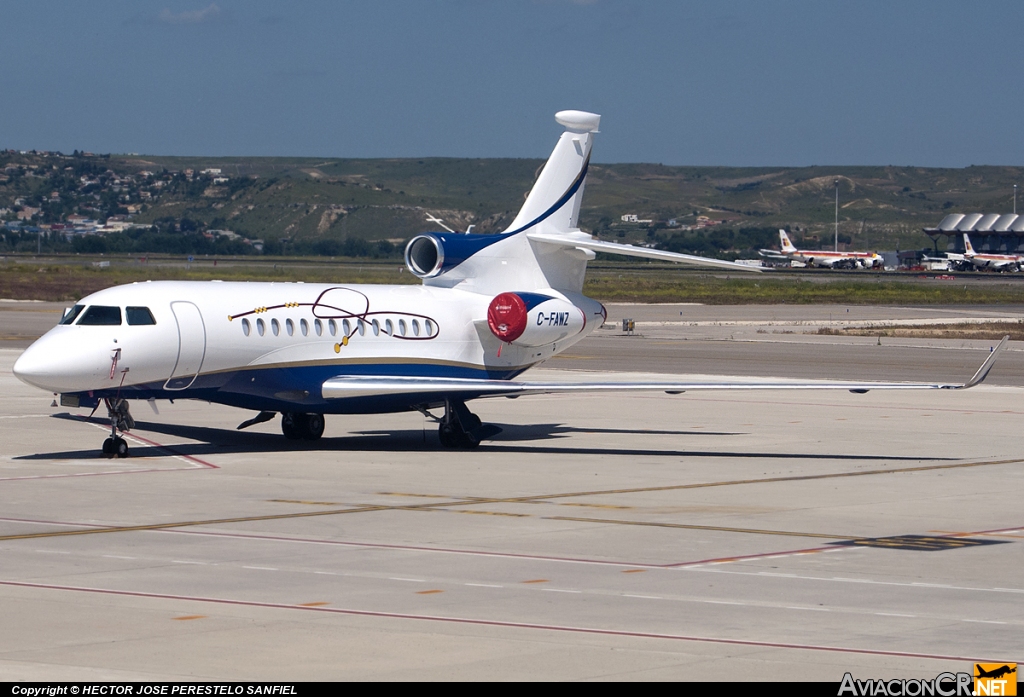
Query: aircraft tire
point(121, 447)
point(448, 436)
point(108, 447)
point(290, 426)
point(312, 426)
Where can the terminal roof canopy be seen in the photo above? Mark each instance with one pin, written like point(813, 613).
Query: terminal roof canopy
point(981, 223)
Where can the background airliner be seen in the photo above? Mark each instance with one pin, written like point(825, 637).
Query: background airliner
point(825, 259)
point(489, 307)
point(996, 262)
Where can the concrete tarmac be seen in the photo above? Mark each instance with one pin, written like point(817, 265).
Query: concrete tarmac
point(703, 536)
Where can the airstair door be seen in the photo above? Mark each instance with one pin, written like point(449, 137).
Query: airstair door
point(191, 345)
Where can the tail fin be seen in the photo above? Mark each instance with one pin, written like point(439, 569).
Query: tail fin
point(787, 246)
point(968, 247)
point(554, 201)
point(551, 253)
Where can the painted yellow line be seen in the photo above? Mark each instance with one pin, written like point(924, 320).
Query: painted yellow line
point(513, 499)
point(417, 496)
point(306, 503)
point(717, 528)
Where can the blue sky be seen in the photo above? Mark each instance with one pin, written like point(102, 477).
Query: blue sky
point(741, 82)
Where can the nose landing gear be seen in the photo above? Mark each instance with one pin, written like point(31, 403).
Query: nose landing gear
point(120, 420)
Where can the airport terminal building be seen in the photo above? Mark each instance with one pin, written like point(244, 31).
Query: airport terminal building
point(990, 232)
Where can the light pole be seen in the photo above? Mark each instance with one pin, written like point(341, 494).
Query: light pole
point(837, 214)
point(1014, 199)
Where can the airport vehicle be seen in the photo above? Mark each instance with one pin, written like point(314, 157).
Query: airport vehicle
point(995, 262)
point(821, 258)
point(489, 307)
point(950, 262)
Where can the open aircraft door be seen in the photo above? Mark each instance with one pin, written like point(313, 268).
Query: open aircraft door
point(191, 346)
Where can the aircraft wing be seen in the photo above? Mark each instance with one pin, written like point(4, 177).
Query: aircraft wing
point(466, 388)
point(587, 242)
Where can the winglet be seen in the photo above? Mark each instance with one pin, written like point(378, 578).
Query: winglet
point(983, 371)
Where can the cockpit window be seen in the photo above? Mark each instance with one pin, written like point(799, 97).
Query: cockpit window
point(71, 314)
point(101, 315)
point(139, 315)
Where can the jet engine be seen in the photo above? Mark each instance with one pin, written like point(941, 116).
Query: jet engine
point(434, 253)
point(533, 319)
point(424, 255)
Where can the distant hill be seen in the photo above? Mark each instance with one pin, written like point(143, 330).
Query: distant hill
point(310, 199)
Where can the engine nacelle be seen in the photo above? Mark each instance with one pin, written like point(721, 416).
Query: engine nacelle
point(424, 256)
point(434, 253)
point(533, 319)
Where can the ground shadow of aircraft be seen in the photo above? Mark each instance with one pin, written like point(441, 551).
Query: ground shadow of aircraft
point(211, 441)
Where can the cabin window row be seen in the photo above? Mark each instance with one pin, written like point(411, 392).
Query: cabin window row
point(389, 327)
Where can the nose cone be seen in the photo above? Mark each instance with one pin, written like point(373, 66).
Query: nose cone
point(37, 368)
point(56, 366)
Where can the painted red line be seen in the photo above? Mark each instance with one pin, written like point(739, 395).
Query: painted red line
point(177, 453)
point(507, 624)
point(745, 557)
point(167, 448)
point(202, 464)
point(984, 532)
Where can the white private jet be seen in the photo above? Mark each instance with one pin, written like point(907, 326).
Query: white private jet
point(995, 262)
point(489, 307)
point(825, 259)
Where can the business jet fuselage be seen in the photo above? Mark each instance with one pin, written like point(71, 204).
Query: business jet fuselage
point(272, 346)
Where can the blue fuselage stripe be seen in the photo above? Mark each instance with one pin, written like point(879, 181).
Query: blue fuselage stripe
point(298, 388)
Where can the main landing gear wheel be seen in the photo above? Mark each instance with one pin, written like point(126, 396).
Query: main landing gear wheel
point(461, 428)
point(115, 447)
point(296, 426)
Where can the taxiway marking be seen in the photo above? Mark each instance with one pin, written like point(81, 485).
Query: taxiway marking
point(505, 500)
point(717, 528)
point(500, 623)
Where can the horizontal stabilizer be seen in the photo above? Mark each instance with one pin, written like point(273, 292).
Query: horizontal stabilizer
point(583, 241)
